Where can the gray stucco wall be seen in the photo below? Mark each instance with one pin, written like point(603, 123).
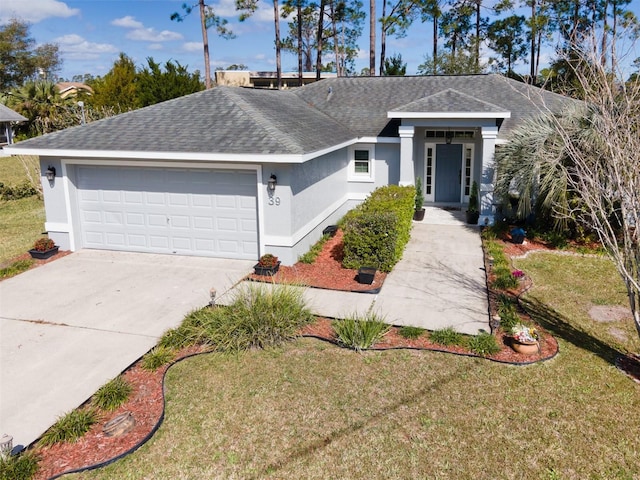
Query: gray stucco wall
point(54, 203)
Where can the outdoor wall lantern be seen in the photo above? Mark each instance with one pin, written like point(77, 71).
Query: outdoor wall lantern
point(449, 137)
point(6, 446)
point(50, 173)
point(271, 184)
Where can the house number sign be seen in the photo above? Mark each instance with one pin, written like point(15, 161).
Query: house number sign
point(274, 201)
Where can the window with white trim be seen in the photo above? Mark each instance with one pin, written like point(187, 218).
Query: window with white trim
point(361, 163)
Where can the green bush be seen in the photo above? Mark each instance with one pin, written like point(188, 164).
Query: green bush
point(377, 231)
point(112, 394)
point(70, 427)
point(411, 332)
point(259, 316)
point(157, 357)
point(23, 466)
point(23, 190)
point(504, 278)
point(446, 336)
point(484, 344)
point(314, 251)
point(360, 333)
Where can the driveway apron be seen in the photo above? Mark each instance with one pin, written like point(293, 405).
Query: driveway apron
point(68, 327)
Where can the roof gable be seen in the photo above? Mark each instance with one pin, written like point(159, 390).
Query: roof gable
point(449, 102)
point(8, 115)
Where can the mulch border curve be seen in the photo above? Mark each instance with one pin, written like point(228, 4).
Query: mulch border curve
point(318, 337)
point(146, 438)
point(441, 350)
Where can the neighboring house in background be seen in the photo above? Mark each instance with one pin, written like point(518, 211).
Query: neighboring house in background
point(73, 89)
point(190, 176)
point(244, 78)
point(7, 118)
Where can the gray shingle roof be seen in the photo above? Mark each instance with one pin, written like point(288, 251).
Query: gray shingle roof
point(8, 115)
point(450, 101)
point(221, 120)
point(231, 120)
point(362, 103)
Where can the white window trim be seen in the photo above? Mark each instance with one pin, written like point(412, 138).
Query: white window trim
point(465, 146)
point(429, 197)
point(352, 176)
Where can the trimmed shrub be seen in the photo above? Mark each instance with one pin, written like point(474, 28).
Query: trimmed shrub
point(377, 231)
point(410, 332)
point(19, 467)
point(23, 190)
point(70, 427)
point(112, 394)
point(484, 344)
point(157, 357)
point(446, 336)
point(360, 333)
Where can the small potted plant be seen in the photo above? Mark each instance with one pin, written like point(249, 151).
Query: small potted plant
point(267, 265)
point(418, 213)
point(366, 275)
point(525, 339)
point(517, 235)
point(473, 211)
point(43, 248)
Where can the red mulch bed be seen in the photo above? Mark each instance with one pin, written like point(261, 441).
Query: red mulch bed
point(146, 401)
point(326, 272)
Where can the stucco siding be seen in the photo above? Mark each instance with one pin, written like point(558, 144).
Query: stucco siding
point(57, 221)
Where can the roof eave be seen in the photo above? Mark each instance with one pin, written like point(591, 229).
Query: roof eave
point(449, 115)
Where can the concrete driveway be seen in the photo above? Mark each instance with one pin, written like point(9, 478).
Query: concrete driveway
point(68, 327)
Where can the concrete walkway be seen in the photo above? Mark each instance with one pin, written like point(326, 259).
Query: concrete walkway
point(440, 281)
point(68, 327)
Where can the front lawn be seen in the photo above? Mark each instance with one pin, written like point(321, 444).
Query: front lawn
point(312, 410)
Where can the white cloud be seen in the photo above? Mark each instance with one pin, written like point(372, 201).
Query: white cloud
point(151, 35)
point(156, 46)
point(35, 11)
point(74, 47)
point(227, 9)
point(138, 31)
point(127, 22)
point(192, 46)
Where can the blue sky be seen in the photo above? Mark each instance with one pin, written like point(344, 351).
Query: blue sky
point(92, 33)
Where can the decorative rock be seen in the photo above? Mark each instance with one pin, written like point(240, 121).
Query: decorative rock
point(119, 425)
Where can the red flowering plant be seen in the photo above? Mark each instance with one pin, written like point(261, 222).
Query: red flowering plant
point(268, 260)
point(43, 244)
point(517, 274)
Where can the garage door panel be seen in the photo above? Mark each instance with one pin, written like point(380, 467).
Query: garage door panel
point(185, 211)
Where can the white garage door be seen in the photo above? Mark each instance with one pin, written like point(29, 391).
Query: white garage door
point(199, 212)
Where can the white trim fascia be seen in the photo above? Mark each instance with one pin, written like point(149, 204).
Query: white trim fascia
point(259, 185)
point(67, 201)
point(57, 227)
point(180, 156)
point(379, 139)
point(154, 164)
point(292, 240)
point(431, 115)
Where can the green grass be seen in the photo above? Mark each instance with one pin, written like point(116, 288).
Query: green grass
point(312, 410)
point(70, 427)
point(112, 394)
point(157, 357)
point(21, 221)
point(13, 170)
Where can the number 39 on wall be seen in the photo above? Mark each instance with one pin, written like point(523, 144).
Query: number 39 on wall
point(274, 200)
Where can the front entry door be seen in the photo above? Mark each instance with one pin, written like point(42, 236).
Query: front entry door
point(448, 173)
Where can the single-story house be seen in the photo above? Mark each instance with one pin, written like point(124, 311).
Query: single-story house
point(7, 119)
point(235, 172)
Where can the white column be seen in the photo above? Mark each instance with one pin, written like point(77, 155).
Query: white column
point(407, 175)
point(489, 135)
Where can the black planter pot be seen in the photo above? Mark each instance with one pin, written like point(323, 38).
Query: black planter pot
point(37, 254)
point(472, 217)
point(366, 275)
point(418, 215)
point(517, 239)
point(266, 271)
point(330, 230)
